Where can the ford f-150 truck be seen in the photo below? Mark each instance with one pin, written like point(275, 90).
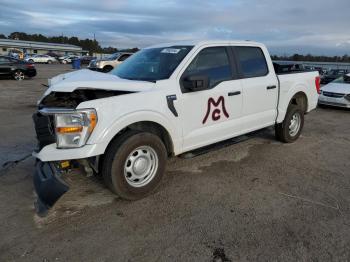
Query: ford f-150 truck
point(163, 101)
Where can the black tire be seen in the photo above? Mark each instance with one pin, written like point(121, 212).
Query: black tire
point(107, 69)
point(282, 131)
point(31, 61)
point(116, 157)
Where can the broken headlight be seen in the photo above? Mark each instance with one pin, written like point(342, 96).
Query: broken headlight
point(73, 128)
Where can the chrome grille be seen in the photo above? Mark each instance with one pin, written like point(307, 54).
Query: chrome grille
point(331, 94)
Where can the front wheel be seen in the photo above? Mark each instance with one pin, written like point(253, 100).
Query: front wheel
point(289, 130)
point(134, 164)
point(18, 75)
point(107, 69)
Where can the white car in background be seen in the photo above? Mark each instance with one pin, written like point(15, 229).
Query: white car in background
point(41, 59)
point(67, 59)
point(336, 93)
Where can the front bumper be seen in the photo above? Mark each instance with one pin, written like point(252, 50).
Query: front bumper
point(30, 72)
point(49, 186)
point(52, 153)
point(333, 101)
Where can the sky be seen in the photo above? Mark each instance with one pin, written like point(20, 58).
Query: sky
point(318, 27)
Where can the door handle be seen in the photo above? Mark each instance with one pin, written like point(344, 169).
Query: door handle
point(234, 93)
point(271, 87)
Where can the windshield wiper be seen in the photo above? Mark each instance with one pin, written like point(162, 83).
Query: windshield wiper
point(140, 79)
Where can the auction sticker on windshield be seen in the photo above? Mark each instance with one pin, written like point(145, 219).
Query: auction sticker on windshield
point(170, 50)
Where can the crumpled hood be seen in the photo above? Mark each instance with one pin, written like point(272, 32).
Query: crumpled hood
point(87, 79)
point(337, 88)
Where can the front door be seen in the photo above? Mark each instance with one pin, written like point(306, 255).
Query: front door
point(210, 115)
point(5, 65)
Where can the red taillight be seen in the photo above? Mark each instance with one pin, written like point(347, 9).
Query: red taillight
point(318, 84)
point(30, 66)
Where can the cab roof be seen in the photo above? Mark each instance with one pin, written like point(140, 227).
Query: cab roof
point(207, 42)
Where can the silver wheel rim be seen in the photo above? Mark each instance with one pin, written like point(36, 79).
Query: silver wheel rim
point(141, 166)
point(19, 75)
point(294, 125)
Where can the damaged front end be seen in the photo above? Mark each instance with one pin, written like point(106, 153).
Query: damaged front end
point(62, 128)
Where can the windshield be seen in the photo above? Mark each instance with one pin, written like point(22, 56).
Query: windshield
point(345, 79)
point(113, 56)
point(152, 64)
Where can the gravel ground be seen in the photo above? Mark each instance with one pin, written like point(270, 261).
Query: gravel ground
point(258, 200)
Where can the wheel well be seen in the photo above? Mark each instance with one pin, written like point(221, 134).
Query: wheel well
point(300, 100)
point(18, 70)
point(154, 128)
point(108, 66)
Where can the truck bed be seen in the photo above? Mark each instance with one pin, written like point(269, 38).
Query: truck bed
point(294, 82)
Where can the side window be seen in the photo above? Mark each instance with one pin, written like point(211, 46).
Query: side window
point(123, 57)
point(252, 61)
point(212, 62)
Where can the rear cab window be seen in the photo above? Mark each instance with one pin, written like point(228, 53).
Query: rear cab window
point(251, 61)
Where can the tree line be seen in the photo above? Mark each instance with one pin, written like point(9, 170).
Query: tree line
point(91, 45)
point(312, 58)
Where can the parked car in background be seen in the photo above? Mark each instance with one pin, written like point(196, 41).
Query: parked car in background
point(85, 60)
point(109, 63)
point(41, 59)
point(336, 93)
point(320, 70)
point(332, 75)
point(52, 54)
point(18, 69)
point(67, 59)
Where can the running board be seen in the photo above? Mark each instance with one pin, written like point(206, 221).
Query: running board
point(223, 144)
point(216, 146)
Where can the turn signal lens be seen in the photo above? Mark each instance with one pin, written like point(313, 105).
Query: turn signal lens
point(92, 121)
point(68, 130)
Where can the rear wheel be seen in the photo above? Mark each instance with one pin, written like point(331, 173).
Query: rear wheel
point(49, 62)
point(134, 164)
point(31, 61)
point(289, 130)
point(18, 75)
point(64, 62)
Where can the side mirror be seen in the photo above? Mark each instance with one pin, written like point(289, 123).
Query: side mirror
point(196, 82)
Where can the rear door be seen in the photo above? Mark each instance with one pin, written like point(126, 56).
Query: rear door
point(259, 87)
point(210, 115)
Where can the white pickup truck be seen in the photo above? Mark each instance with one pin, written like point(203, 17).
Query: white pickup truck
point(163, 101)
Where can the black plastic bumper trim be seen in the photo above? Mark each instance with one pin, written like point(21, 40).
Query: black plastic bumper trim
point(49, 187)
